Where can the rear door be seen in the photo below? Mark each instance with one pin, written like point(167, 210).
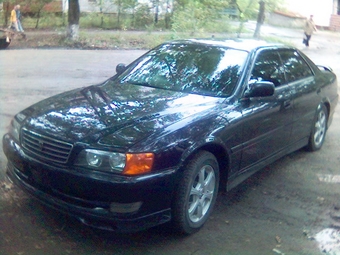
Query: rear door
point(301, 80)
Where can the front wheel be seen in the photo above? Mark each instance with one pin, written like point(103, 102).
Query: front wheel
point(318, 134)
point(196, 193)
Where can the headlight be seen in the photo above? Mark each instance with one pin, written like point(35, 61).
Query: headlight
point(16, 126)
point(129, 164)
point(15, 129)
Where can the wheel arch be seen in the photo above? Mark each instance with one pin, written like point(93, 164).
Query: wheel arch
point(222, 156)
point(328, 107)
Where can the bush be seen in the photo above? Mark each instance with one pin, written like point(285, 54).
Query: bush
point(195, 18)
point(46, 20)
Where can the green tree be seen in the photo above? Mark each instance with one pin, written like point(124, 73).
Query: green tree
point(250, 8)
point(194, 15)
point(132, 5)
point(36, 7)
point(7, 7)
point(124, 6)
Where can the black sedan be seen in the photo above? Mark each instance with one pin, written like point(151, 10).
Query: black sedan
point(157, 141)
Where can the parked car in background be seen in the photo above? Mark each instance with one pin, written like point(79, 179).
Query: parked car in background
point(5, 38)
point(158, 140)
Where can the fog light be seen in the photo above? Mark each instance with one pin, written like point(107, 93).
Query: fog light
point(125, 208)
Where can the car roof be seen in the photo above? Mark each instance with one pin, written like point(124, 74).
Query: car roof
point(241, 44)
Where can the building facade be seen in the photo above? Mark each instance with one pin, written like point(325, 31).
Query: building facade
point(326, 12)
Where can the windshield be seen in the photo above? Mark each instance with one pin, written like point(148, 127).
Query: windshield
point(200, 69)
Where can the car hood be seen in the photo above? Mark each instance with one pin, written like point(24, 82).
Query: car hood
point(126, 113)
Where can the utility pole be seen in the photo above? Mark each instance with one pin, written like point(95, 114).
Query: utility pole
point(260, 20)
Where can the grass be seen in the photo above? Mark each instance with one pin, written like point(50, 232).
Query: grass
point(123, 39)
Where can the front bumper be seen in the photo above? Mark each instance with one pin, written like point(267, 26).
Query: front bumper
point(87, 196)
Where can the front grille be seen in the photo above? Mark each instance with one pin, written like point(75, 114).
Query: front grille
point(45, 147)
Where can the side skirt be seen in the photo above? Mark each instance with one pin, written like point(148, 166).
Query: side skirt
point(245, 173)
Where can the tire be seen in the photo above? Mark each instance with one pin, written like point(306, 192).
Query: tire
point(196, 193)
point(3, 43)
point(318, 134)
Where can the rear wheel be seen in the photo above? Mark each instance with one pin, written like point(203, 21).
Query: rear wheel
point(196, 193)
point(318, 134)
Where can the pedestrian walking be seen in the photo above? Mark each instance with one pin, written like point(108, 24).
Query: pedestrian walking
point(13, 19)
point(308, 30)
point(18, 14)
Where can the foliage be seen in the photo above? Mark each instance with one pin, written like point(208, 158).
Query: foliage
point(46, 20)
point(36, 7)
point(250, 7)
point(122, 8)
point(7, 7)
point(143, 17)
point(197, 16)
point(192, 16)
point(131, 19)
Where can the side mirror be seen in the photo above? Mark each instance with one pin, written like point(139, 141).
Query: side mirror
point(260, 89)
point(120, 68)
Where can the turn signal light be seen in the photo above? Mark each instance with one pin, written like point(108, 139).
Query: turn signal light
point(140, 163)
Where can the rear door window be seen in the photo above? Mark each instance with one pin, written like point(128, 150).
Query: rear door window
point(295, 66)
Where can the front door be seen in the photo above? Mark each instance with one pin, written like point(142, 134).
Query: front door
point(268, 120)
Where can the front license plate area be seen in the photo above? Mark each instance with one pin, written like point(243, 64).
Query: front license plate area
point(40, 177)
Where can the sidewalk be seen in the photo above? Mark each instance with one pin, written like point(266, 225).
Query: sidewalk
point(322, 39)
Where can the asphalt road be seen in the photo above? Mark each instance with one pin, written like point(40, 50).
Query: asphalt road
point(279, 210)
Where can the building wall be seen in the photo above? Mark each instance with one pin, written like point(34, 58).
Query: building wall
point(285, 20)
point(335, 23)
point(321, 9)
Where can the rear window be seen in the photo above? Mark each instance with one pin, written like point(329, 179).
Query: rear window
point(295, 66)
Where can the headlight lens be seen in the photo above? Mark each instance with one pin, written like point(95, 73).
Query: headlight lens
point(15, 129)
point(103, 160)
point(94, 158)
point(16, 126)
point(129, 164)
point(117, 160)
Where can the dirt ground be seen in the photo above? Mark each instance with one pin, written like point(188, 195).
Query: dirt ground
point(290, 207)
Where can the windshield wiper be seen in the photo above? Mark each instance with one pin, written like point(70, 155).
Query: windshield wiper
point(137, 83)
point(146, 84)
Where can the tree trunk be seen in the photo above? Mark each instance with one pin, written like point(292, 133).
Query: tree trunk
point(156, 11)
point(260, 20)
point(7, 12)
point(38, 19)
point(73, 19)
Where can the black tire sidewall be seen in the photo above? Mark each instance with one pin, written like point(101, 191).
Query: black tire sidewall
point(181, 218)
point(311, 143)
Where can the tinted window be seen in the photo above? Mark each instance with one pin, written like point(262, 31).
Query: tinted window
point(205, 70)
point(295, 66)
point(268, 67)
